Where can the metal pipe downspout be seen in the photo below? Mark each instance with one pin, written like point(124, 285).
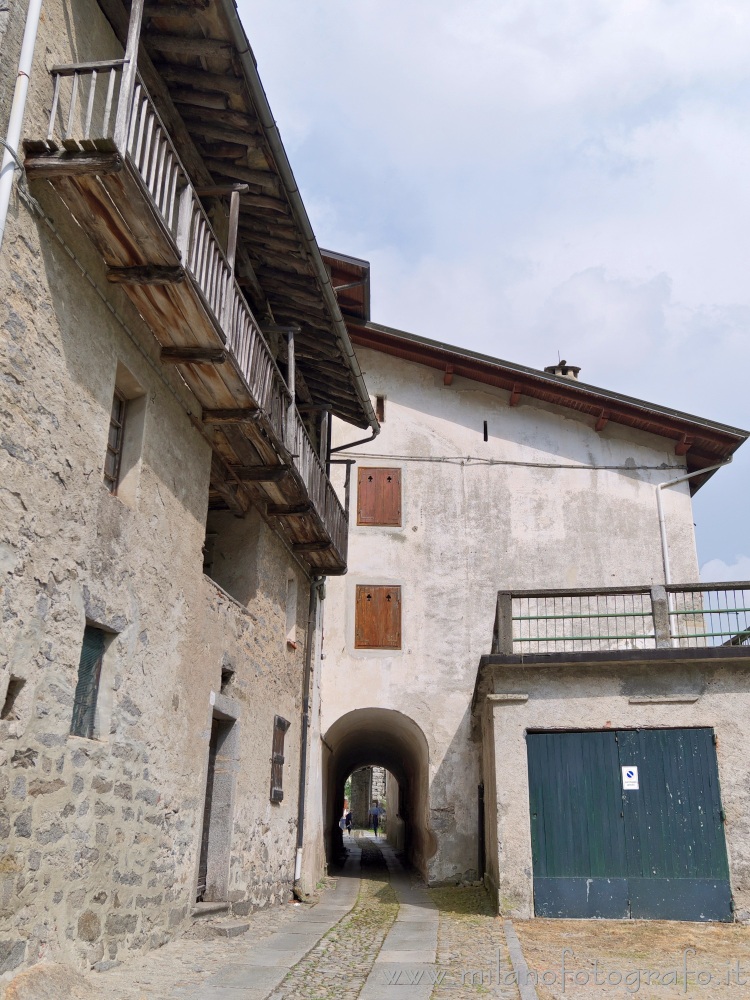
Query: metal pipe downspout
point(271, 132)
point(18, 108)
point(662, 518)
point(353, 444)
point(316, 586)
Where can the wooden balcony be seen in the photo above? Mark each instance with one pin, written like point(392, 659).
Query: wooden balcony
point(112, 162)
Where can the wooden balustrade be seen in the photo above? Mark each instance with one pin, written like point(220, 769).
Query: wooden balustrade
point(89, 103)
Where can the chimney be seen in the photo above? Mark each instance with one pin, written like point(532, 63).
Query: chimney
point(564, 369)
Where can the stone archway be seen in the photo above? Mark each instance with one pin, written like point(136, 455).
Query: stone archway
point(384, 738)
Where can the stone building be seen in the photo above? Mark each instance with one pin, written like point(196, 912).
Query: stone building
point(172, 351)
point(487, 478)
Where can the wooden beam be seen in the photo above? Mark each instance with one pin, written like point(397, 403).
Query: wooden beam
point(239, 416)
point(288, 510)
point(261, 178)
point(601, 422)
point(448, 377)
point(515, 395)
point(261, 473)
point(320, 546)
point(71, 165)
point(199, 98)
point(147, 274)
point(213, 130)
point(193, 355)
point(223, 84)
point(684, 445)
point(175, 9)
point(221, 190)
point(181, 45)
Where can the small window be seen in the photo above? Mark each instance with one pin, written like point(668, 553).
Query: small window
point(280, 727)
point(87, 688)
point(291, 612)
point(379, 497)
point(380, 409)
point(113, 457)
point(122, 460)
point(377, 622)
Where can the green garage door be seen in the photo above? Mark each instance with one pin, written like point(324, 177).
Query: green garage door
point(628, 824)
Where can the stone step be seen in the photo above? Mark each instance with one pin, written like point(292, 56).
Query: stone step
point(230, 928)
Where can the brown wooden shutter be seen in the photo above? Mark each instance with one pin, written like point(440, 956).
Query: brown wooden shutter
point(379, 497)
point(377, 618)
point(280, 727)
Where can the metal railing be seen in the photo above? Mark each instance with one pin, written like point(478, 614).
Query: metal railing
point(574, 621)
point(84, 115)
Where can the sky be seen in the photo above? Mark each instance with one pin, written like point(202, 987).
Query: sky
point(533, 179)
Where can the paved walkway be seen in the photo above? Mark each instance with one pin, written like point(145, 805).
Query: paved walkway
point(380, 928)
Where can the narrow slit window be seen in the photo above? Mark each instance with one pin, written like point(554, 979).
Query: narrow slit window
point(280, 727)
point(113, 458)
point(380, 409)
point(87, 688)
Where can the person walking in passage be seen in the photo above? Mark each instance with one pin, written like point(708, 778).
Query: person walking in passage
point(375, 814)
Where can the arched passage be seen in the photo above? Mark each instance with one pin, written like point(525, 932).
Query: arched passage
point(389, 739)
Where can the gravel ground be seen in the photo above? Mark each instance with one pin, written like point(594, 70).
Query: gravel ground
point(471, 946)
point(644, 958)
point(337, 967)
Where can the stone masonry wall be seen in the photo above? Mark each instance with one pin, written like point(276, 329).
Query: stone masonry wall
point(100, 839)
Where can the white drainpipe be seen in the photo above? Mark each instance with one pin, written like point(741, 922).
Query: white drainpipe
point(663, 533)
point(662, 519)
point(15, 122)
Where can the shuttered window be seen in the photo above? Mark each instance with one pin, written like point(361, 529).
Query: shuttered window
point(87, 688)
point(377, 623)
point(280, 727)
point(379, 497)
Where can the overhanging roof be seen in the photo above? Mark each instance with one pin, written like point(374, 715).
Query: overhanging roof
point(197, 64)
point(703, 442)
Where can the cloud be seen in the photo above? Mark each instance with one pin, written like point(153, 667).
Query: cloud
point(717, 571)
point(528, 177)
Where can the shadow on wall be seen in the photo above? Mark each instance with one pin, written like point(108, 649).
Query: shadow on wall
point(389, 739)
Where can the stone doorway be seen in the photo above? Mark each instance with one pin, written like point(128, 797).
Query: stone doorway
point(213, 868)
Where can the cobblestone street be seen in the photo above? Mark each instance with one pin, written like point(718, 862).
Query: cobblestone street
point(376, 930)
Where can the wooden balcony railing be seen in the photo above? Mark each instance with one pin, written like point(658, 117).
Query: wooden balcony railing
point(566, 621)
point(93, 112)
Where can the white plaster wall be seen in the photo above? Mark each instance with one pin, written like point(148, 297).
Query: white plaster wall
point(572, 697)
point(470, 529)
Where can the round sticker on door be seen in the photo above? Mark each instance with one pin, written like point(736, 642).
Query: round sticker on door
point(630, 779)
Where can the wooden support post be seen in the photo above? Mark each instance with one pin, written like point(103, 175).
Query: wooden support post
point(291, 386)
point(515, 396)
point(602, 421)
point(503, 638)
point(660, 611)
point(129, 72)
point(184, 223)
point(448, 377)
point(234, 218)
point(325, 418)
